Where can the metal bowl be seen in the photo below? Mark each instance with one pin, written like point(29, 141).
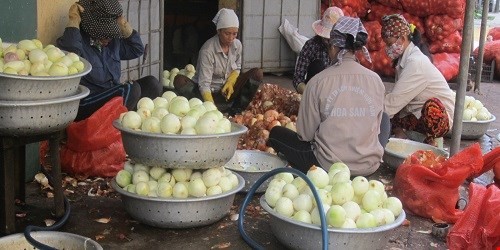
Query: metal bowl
point(397, 150)
point(253, 164)
point(25, 118)
point(32, 88)
point(57, 240)
point(299, 235)
point(178, 213)
point(180, 151)
point(472, 130)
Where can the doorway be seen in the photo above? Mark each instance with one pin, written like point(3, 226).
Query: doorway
point(187, 26)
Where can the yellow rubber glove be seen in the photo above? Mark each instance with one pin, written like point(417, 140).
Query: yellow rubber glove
point(301, 87)
point(228, 88)
point(74, 15)
point(207, 96)
point(125, 27)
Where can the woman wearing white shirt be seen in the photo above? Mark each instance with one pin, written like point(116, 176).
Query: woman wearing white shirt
point(421, 100)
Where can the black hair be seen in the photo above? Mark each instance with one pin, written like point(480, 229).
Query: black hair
point(416, 38)
point(361, 39)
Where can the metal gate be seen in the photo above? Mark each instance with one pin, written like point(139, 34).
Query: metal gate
point(145, 16)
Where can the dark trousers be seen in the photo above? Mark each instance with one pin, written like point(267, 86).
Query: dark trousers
point(147, 86)
point(300, 154)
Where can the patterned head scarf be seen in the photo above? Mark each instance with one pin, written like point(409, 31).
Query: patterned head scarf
point(338, 36)
point(395, 25)
point(99, 18)
point(226, 18)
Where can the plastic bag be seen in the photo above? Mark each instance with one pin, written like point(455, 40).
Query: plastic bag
point(427, 184)
point(479, 226)
point(94, 147)
point(292, 36)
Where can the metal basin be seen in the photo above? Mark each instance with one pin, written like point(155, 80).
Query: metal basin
point(32, 88)
point(299, 235)
point(175, 212)
point(26, 118)
point(472, 130)
point(180, 151)
point(397, 150)
point(253, 164)
point(57, 240)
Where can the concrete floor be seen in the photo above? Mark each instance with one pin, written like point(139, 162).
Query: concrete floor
point(123, 232)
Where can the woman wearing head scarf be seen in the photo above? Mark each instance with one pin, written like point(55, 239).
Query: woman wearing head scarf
point(421, 100)
point(218, 77)
point(313, 57)
point(98, 32)
point(340, 111)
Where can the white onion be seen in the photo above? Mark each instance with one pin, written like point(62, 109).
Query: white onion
point(197, 188)
point(302, 216)
point(179, 106)
point(303, 202)
point(214, 190)
point(131, 120)
point(287, 177)
point(335, 216)
point(211, 177)
point(195, 102)
point(182, 174)
point(164, 189)
point(140, 176)
point(394, 205)
point(142, 188)
point(342, 192)
point(123, 178)
point(169, 95)
point(151, 124)
point(372, 200)
point(319, 177)
point(225, 184)
point(180, 190)
point(157, 172)
point(352, 210)
point(366, 220)
point(284, 206)
point(359, 185)
point(290, 191)
point(170, 124)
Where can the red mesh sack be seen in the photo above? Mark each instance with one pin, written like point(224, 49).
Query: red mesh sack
point(494, 33)
point(423, 8)
point(438, 27)
point(479, 226)
point(427, 184)
point(353, 8)
point(94, 147)
point(377, 11)
point(382, 64)
point(396, 4)
point(450, 44)
point(447, 63)
point(491, 50)
point(375, 41)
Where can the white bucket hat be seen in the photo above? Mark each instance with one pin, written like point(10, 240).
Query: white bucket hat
point(324, 26)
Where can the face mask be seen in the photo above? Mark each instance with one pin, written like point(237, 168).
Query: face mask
point(395, 50)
